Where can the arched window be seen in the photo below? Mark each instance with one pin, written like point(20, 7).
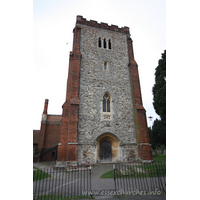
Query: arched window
point(109, 44)
point(104, 43)
point(106, 113)
point(99, 42)
point(106, 103)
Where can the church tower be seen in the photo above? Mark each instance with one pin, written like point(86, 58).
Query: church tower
point(103, 117)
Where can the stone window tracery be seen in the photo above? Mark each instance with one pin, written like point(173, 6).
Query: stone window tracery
point(106, 107)
point(106, 103)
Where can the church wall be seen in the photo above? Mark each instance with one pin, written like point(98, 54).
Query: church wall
point(94, 82)
point(87, 153)
point(52, 136)
point(53, 127)
point(129, 153)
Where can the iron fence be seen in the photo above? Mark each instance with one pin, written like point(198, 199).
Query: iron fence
point(74, 181)
point(62, 182)
point(139, 177)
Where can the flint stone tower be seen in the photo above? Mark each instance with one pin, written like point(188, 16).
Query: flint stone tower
point(103, 117)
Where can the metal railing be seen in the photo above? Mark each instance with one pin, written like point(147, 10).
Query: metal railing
point(62, 182)
point(144, 178)
point(75, 181)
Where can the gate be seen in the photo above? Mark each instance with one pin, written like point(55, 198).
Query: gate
point(66, 182)
point(75, 181)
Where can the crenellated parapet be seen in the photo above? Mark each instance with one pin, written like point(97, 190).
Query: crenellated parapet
point(81, 20)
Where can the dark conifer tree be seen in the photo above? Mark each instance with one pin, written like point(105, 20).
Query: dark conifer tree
point(159, 88)
point(158, 132)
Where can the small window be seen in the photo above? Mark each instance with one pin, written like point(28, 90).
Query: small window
point(104, 43)
point(53, 154)
point(99, 42)
point(105, 66)
point(109, 44)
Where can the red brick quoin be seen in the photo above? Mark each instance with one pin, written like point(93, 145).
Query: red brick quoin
point(68, 149)
point(142, 135)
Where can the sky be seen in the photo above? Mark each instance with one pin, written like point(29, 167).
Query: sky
point(53, 23)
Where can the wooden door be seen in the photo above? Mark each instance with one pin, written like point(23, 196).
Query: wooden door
point(105, 151)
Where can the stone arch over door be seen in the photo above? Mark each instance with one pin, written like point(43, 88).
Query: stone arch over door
point(104, 152)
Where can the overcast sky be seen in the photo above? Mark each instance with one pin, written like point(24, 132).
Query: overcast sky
point(53, 23)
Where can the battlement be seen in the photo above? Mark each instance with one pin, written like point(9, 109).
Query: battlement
point(81, 20)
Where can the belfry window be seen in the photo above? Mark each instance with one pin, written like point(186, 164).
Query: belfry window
point(106, 103)
point(104, 43)
point(99, 42)
point(109, 44)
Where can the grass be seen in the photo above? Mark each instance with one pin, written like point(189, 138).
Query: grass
point(140, 171)
point(151, 171)
point(160, 158)
point(39, 175)
point(109, 174)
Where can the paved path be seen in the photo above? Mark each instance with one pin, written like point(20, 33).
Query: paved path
point(102, 183)
point(43, 165)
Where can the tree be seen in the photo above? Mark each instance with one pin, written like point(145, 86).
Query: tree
point(159, 88)
point(158, 134)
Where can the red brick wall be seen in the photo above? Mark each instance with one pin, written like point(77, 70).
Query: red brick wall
point(48, 156)
point(42, 135)
point(36, 134)
point(69, 128)
point(49, 132)
point(43, 126)
point(142, 135)
point(72, 152)
point(145, 152)
point(52, 136)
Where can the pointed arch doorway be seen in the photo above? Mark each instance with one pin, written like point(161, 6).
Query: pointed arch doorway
point(108, 149)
